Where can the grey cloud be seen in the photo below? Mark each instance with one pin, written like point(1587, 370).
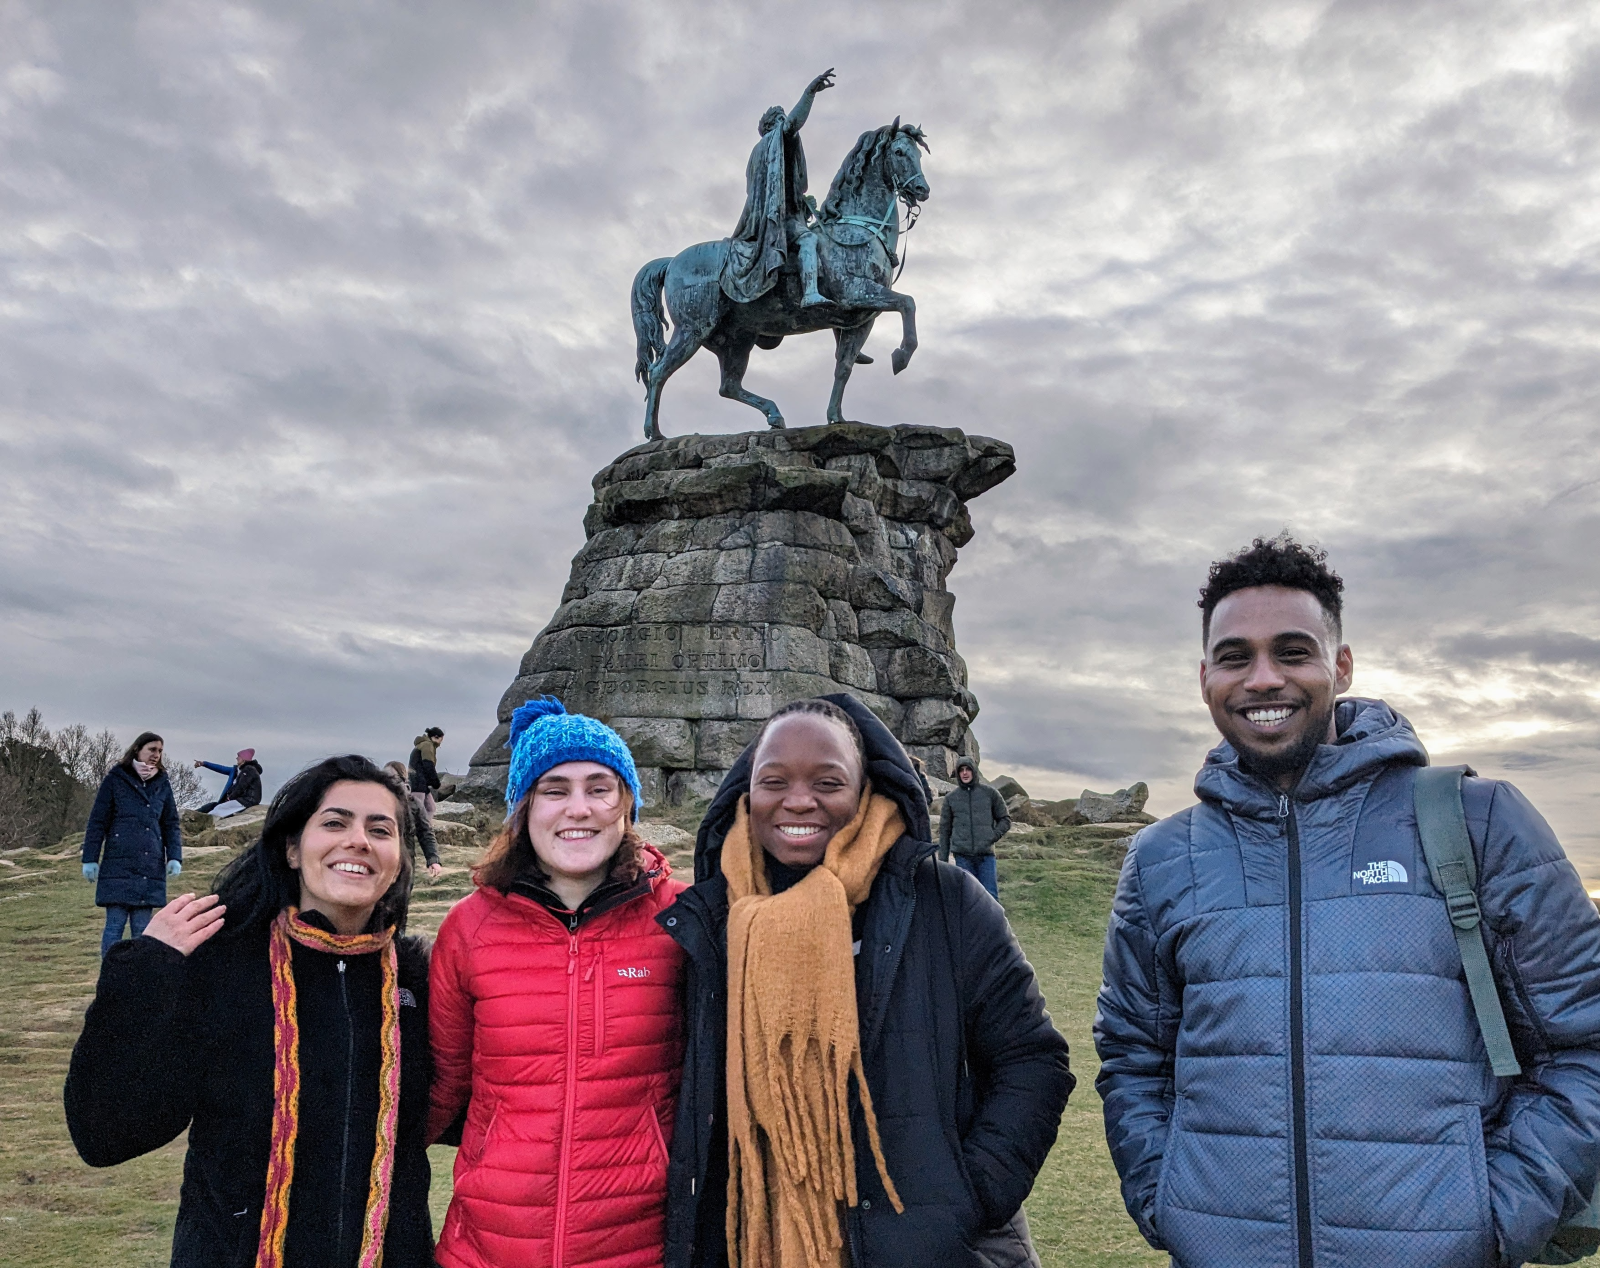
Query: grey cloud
point(315, 328)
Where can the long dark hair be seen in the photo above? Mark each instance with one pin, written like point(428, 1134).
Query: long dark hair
point(259, 884)
point(145, 737)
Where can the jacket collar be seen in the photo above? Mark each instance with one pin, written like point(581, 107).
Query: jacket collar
point(145, 789)
point(611, 893)
point(1371, 736)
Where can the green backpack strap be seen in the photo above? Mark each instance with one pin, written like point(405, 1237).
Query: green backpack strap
point(1443, 827)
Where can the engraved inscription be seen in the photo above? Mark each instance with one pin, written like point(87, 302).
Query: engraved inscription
point(683, 647)
point(666, 670)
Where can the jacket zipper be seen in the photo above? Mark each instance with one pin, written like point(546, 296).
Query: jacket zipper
point(564, 1178)
point(598, 973)
point(1297, 1039)
point(349, 1095)
point(858, 1257)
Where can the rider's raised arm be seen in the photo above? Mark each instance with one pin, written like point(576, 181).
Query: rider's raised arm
point(802, 108)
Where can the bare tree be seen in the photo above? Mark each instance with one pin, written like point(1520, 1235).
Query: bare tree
point(48, 779)
point(187, 790)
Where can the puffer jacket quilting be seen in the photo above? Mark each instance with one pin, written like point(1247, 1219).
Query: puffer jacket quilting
point(1414, 1152)
point(570, 1048)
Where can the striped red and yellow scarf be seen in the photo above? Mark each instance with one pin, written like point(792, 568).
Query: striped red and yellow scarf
point(286, 1083)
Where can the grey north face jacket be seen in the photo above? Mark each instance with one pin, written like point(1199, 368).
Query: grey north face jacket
point(1292, 1070)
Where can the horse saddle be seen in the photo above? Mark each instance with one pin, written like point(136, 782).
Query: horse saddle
point(848, 235)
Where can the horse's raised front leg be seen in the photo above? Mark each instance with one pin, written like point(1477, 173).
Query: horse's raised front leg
point(907, 308)
point(850, 344)
point(735, 360)
point(869, 294)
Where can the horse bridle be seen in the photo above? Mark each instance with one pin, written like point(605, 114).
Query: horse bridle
point(879, 228)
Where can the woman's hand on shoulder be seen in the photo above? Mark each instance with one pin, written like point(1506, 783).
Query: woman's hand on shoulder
point(186, 922)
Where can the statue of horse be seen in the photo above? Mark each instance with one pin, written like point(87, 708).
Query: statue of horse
point(858, 231)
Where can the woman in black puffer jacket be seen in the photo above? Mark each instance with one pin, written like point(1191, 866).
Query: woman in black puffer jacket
point(293, 1044)
point(966, 1074)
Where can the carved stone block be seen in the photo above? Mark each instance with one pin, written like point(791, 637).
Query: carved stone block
point(724, 576)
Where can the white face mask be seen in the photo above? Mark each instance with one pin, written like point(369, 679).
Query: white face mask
point(144, 770)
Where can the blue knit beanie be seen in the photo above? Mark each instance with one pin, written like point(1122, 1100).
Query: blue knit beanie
point(544, 734)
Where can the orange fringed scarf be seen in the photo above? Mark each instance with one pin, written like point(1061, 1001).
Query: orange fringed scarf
point(794, 1040)
point(286, 1083)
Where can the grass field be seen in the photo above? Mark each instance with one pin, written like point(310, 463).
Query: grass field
point(57, 1213)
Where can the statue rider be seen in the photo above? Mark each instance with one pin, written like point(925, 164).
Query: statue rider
point(777, 213)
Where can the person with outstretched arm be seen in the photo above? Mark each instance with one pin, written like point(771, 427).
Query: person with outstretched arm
point(244, 780)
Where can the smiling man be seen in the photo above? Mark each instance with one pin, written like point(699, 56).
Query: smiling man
point(1293, 1071)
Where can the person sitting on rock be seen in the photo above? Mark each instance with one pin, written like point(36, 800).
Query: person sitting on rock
point(244, 780)
point(869, 1059)
point(973, 819)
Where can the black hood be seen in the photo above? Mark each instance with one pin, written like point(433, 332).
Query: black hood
point(889, 771)
point(252, 764)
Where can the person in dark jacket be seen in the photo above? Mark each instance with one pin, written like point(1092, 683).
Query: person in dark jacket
point(1292, 1069)
point(283, 1022)
point(133, 841)
point(244, 780)
point(974, 818)
point(819, 839)
point(424, 768)
point(422, 833)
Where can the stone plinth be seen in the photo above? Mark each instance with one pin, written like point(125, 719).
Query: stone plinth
point(724, 576)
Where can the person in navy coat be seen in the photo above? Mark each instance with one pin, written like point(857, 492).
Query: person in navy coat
point(132, 843)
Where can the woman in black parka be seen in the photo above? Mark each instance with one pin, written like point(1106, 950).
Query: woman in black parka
point(133, 842)
point(282, 1021)
point(966, 1074)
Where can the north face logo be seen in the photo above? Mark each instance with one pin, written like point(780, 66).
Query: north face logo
point(1384, 872)
point(633, 972)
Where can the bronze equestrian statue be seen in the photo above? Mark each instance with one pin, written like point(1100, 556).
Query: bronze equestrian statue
point(790, 267)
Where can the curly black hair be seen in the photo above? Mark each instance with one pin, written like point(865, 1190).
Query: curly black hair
point(821, 708)
point(1277, 561)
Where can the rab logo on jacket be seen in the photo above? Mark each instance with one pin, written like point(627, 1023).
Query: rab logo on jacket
point(633, 973)
point(1383, 872)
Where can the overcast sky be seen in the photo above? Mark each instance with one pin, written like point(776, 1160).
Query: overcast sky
point(315, 326)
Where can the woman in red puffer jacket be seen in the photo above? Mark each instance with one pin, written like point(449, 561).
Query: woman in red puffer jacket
point(555, 1016)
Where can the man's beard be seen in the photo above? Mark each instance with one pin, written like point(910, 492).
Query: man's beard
point(1290, 761)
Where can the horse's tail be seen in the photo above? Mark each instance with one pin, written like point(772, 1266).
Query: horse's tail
point(649, 316)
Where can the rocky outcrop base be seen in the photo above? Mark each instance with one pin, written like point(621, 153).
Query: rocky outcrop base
point(724, 576)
